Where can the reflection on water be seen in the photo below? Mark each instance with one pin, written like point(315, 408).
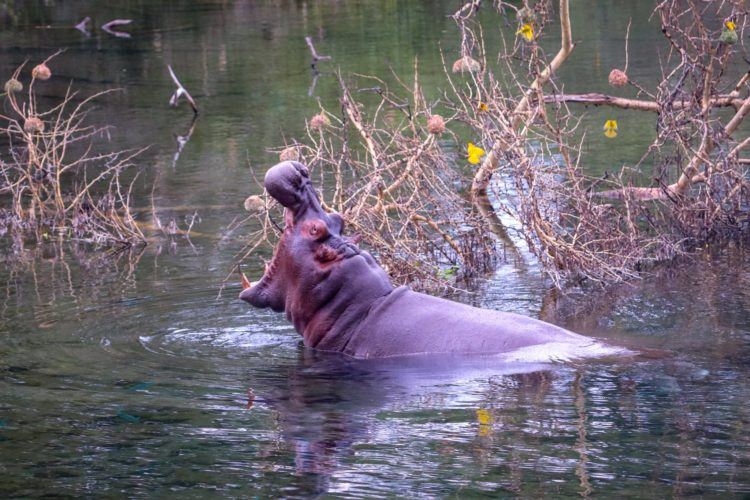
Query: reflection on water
point(156, 387)
point(125, 374)
point(148, 394)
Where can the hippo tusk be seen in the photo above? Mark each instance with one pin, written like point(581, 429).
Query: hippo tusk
point(245, 282)
point(243, 279)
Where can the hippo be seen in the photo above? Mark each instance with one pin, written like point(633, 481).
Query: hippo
point(339, 299)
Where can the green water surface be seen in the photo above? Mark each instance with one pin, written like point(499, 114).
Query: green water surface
point(132, 376)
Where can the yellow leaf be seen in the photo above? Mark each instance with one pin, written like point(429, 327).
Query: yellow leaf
point(526, 31)
point(610, 128)
point(730, 25)
point(475, 153)
point(483, 107)
point(484, 417)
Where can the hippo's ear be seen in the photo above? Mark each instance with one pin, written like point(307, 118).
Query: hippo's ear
point(336, 223)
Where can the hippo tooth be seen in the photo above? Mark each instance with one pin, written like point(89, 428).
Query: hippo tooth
point(245, 282)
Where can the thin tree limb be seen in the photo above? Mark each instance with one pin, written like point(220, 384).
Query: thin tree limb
point(181, 91)
point(489, 165)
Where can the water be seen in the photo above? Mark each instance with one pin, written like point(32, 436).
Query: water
point(131, 375)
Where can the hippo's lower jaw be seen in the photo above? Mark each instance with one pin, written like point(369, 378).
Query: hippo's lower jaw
point(255, 297)
point(340, 300)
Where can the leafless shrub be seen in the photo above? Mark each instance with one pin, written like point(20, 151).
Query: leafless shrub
point(384, 166)
point(55, 185)
point(402, 188)
point(578, 231)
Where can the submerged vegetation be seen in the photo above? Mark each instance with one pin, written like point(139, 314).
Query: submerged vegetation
point(56, 184)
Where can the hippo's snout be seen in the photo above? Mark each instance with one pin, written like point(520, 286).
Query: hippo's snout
point(285, 182)
point(255, 296)
point(246, 294)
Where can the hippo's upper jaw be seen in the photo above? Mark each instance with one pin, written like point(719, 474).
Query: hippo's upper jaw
point(289, 183)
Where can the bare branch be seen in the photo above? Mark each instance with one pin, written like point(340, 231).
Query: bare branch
point(489, 164)
point(314, 53)
point(596, 99)
point(114, 23)
point(179, 92)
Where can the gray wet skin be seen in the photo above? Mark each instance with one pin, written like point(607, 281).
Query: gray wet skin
point(339, 299)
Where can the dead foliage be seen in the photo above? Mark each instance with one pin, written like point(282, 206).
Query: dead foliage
point(56, 184)
point(396, 171)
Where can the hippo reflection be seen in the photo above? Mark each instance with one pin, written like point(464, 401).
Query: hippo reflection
point(327, 405)
point(339, 299)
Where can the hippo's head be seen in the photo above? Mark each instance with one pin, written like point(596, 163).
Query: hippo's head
point(317, 275)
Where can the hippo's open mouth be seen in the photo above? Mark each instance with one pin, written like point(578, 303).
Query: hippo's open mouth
point(255, 293)
point(289, 183)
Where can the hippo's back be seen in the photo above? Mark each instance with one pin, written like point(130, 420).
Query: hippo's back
point(406, 323)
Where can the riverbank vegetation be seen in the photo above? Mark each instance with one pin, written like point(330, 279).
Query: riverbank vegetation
point(501, 151)
point(442, 182)
point(609, 228)
point(57, 184)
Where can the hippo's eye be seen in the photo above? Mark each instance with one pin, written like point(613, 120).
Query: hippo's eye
point(317, 230)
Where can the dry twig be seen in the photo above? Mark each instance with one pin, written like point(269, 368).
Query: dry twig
point(179, 92)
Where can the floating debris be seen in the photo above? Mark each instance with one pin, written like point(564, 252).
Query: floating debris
point(117, 22)
point(181, 91)
point(315, 56)
point(83, 26)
